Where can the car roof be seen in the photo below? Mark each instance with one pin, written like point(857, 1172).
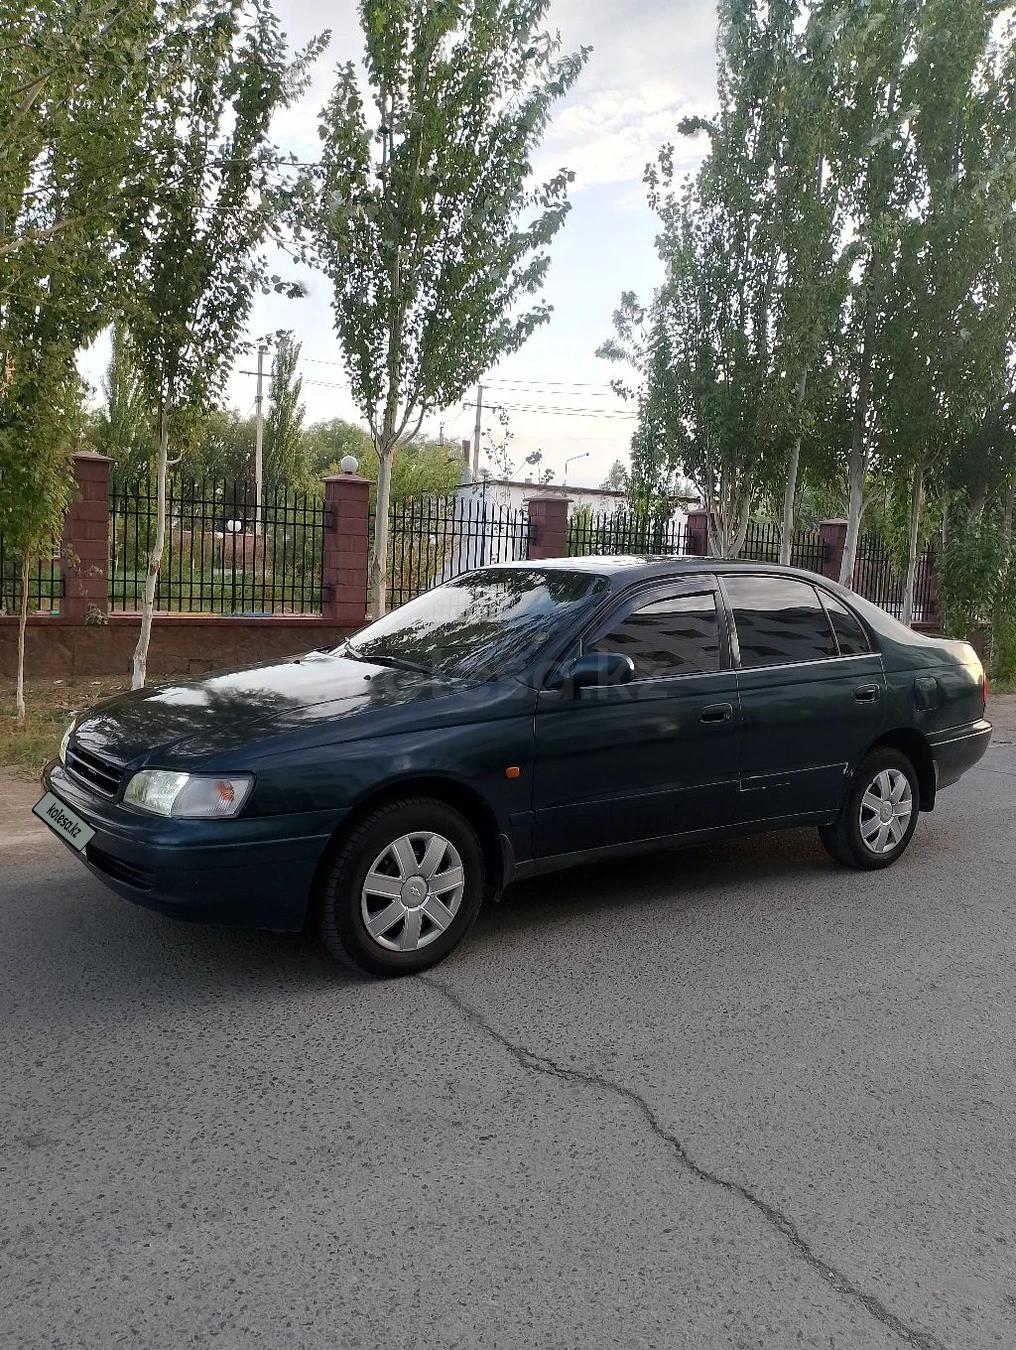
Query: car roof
point(630, 567)
point(626, 570)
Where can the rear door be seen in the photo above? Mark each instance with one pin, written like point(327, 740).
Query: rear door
point(812, 694)
point(652, 758)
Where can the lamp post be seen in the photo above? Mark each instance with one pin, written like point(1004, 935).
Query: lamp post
point(585, 455)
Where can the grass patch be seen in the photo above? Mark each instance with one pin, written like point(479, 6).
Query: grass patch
point(51, 705)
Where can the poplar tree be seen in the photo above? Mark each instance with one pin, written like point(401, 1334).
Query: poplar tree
point(429, 226)
point(213, 195)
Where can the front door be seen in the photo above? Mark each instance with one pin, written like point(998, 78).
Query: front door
point(812, 695)
point(653, 758)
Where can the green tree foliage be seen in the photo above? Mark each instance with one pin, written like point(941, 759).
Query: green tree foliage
point(40, 416)
point(929, 334)
point(422, 469)
point(839, 296)
point(430, 228)
point(71, 87)
point(285, 458)
point(221, 446)
point(727, 349)
point(327, 443)
point(70, 106)
point(213, 196)
point(617, 479)
point(122, 427)
point(641, 343)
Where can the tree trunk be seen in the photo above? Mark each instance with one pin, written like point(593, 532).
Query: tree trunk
point(1008, 513)
point(916, 510)
point(790, 494)
point(140, 670)
point(999, 616)
point(379, 559)
point(727, 524)
point(855, 505)
point(19, 697)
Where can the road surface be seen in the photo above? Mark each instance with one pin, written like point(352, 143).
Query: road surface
point(732, 1097)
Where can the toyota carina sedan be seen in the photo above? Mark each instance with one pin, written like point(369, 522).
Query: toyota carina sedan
point(519, 719)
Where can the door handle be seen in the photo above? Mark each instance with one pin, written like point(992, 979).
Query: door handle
point(717, 712)
point(866, 693)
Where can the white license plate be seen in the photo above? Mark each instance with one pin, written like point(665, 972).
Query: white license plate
point(62, 820)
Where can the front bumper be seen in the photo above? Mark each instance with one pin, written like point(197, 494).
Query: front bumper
point(251, 872)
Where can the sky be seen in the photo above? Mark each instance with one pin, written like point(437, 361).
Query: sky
point(653, 62)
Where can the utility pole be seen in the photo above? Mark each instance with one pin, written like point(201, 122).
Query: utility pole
point(259, 440)
point(478, 432)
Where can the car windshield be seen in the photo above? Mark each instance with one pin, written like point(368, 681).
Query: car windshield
point(484, 623)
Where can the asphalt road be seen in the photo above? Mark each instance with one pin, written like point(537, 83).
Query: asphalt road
point(733, 1097)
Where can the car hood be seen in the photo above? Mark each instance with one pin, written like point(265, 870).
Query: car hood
point(220, 712)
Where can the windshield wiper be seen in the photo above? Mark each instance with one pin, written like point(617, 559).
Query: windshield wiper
point(396, 662)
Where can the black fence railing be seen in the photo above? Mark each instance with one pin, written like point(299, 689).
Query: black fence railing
point(878, 578)
point(222, 555)
point(45, 582)
point(762, 544)
point(434, 539)
point(620, 533)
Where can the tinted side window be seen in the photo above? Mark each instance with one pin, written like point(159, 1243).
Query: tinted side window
point(778, 621)
point(679, 636)
point(849, 633)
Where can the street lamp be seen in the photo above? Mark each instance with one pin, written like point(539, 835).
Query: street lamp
point(585, 455)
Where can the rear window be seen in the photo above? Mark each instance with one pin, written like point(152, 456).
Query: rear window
point(779, 621)
point(849, 633)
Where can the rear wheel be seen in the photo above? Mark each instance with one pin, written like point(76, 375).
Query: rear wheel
point(880, 814)
point(403, 888)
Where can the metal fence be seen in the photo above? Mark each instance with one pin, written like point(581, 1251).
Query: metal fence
point(45, 582)
point(434, 539)
point(221, 555)
point(762, 544)
point(624, 532)
point(877, 578)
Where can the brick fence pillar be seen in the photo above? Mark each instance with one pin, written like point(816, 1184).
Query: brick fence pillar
point(346, 550)
point(85, 547)
point(548, 527)
point(832, 536)
point(697, 539)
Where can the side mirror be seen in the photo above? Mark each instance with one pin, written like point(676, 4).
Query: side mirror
point(595, 670)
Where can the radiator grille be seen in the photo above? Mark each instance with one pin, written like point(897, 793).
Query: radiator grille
point(98, 773)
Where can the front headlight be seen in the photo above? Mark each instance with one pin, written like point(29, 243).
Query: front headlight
point(192, 796)
point(64, 743)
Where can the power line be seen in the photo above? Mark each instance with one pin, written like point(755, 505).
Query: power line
point(549, 390)
point(317, 384)
point(608, 414)
point(602, 414)
point(554, 384)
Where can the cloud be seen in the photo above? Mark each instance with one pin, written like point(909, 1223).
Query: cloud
point(613, 134)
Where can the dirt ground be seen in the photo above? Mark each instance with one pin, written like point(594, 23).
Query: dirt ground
point(51, 705)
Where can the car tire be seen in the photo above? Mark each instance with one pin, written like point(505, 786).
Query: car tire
point(402, 889)
point(872, 831)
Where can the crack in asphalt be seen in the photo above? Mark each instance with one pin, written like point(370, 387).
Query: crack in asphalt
point(784, 1225)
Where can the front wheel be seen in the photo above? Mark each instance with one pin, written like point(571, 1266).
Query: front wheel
point(403, 888)
point(880, 814)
